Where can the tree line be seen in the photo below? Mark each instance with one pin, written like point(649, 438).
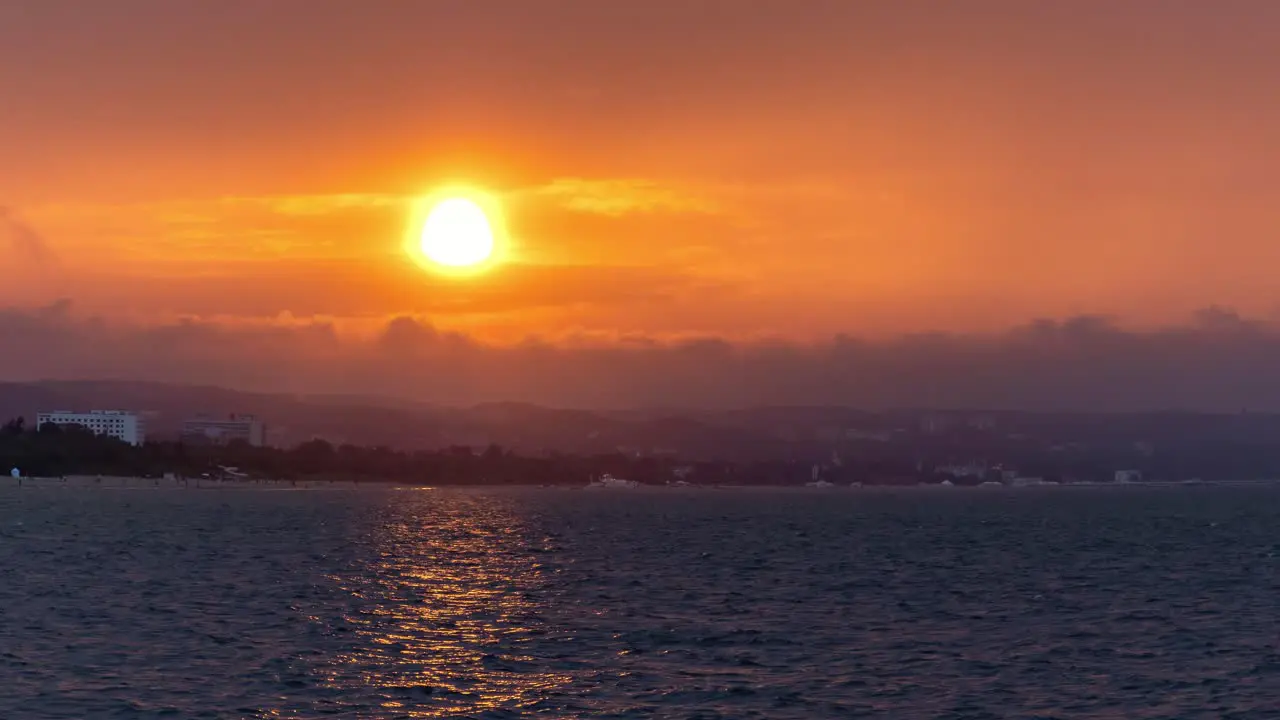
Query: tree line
point(54, 451)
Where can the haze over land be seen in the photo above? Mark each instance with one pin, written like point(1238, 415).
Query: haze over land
point(992, 204)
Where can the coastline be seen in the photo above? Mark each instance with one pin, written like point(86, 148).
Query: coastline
point(177, 483)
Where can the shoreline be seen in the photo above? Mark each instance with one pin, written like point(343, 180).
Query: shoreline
point(172, 483)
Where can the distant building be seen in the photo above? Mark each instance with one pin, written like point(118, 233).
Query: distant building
point(1128, 476)
point(976, 470)
point(221, 431)
point(120, 424)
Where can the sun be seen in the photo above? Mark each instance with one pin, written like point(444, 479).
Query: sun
point(455, 230)
point(457, 233)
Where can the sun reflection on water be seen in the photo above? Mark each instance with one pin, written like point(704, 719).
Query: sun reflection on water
point(441, 618)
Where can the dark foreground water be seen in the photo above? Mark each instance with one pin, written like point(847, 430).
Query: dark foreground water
point(1058, 603)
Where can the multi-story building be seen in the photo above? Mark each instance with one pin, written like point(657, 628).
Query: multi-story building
point(220, 431)
point(122, 425)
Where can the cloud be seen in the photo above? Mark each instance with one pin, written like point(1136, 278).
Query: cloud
point(342, 255)
point(360, 224)
point(186, 235)
point(211, 209)
point(1215, 361)
point(606, 196)
point(617, 197)
point(24, 240)
point(309, 287)
point(310, 205)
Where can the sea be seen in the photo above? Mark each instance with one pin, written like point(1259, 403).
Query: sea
point(381, 602)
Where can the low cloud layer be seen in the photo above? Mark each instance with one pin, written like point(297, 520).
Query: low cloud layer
point(1215, 361)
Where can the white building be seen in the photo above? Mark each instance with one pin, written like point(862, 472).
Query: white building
point(975, 470)
point(119, 424)
point(1128, 476)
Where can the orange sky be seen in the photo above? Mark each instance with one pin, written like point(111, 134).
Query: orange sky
point(794, 168)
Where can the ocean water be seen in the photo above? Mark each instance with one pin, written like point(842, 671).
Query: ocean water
point(384, 603)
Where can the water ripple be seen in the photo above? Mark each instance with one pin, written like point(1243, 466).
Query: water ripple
point(507, 604)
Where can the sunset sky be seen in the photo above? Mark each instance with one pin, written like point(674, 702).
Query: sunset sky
point(790, 170)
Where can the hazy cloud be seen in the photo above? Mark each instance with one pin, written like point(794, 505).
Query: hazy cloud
point(1216, 361)
point(23, 239)
point(363, 289)
point(320, 204)
point(616, 197)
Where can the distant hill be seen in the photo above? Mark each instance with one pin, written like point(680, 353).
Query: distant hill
point(769, 433)
point(292, 419)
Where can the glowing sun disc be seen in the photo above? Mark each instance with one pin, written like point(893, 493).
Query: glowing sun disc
point(457, 234)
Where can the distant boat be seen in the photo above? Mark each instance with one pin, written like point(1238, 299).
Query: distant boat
point(609, 481)
point(820, 484)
